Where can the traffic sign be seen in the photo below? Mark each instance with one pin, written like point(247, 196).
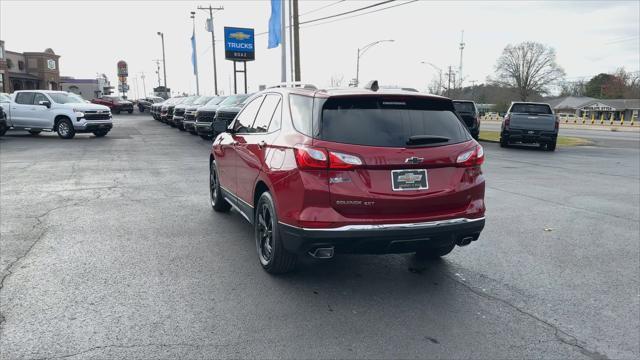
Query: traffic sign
point(239, 44)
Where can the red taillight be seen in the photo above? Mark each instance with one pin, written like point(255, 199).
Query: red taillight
point(310, 158)
point(473, 157)
point(315, 158)
point(507, 120)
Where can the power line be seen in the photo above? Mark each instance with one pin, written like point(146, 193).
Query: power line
point(322, 7)
point(348, 17)
point(347, 12)
point(365, 13)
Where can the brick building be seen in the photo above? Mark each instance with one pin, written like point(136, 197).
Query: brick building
point(29, 70)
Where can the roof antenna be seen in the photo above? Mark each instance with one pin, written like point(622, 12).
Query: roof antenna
point(372, 85)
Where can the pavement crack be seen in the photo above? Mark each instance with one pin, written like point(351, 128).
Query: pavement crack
point(561, 335)
point(133, 346)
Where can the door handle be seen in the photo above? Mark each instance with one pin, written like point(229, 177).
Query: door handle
point(262, 144)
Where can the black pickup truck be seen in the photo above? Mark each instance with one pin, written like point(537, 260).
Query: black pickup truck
point(470, 116)
point(530, 123)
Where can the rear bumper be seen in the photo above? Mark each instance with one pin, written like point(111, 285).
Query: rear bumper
point(529, 136)
point(381, 239)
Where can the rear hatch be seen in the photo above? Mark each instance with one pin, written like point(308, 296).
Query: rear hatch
point(527, 116)
point(407, 146)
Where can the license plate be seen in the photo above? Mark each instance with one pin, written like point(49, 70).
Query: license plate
point(101, 126)
point(414, 179)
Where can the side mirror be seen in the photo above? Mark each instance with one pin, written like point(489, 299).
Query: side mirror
point(45, 103)
point(219, 127)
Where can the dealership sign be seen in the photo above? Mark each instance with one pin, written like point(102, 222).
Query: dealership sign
point(239, 44)
point(123, 70)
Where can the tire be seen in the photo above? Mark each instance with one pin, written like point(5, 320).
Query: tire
point(117, 112)
point(434, 253)
point(100, 133)
point(141, 108)
point(504, 142)
point(552, 145)
point(65, 129)
point(34, 132)
point(274, 258)
point(218, 203)
point(130, 111)
point(181, 128)
point(3, 130)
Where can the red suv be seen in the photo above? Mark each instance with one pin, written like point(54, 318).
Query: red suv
point(353, 170)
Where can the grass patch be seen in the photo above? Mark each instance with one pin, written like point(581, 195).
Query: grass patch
point(494, 136)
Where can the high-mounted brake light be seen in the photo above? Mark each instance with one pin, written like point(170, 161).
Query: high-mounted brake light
point(473, 157)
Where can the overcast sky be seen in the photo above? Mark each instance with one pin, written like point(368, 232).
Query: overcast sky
point(91, 36)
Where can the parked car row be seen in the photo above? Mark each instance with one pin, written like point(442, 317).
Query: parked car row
point(196, 114)
point(62, 112)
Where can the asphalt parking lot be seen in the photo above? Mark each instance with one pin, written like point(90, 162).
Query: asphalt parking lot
point(109, 249)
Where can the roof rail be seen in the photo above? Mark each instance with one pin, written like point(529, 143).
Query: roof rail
point(294, 84)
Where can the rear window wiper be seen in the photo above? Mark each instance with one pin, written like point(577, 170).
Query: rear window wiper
point(426, 139)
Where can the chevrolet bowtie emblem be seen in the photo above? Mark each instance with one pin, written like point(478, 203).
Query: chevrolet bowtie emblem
point(239, 36)
point(413, 160)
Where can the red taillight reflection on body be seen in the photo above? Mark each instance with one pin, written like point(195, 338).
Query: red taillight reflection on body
point(314, 158)
point(473, 157)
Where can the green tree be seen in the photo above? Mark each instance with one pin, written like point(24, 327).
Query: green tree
point(596, 87)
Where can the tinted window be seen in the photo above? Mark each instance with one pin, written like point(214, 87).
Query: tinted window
point(266, 113)
point(301, 113)
point(216, 100)
point(276, 119)
point(244, 120)
point(464, 107)
point(531, 108)
point(39, 97)
point(389, 122)
point(25, 98)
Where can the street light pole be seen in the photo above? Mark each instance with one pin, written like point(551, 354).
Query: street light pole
point(361, 52)
point(164, 62)
point(144, 85)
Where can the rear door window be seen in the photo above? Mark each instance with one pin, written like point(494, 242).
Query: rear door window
point(244, 120)
point(25, 98)
point(390, 122)
point(266, 113)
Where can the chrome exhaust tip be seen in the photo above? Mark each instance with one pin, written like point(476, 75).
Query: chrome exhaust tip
point(322, 253)
point(465, 241)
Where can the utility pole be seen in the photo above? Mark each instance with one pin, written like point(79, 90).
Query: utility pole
point(460, 67)
point(164, 62)
point(157, 61)
point(296, 41)
point(213, 44)
point(449, 81)
point(137, 87)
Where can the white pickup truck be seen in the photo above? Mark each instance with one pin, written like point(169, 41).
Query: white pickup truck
point(65, 113)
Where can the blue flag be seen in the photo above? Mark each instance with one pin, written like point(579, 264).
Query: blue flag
point(194, 59)
point(275, 24)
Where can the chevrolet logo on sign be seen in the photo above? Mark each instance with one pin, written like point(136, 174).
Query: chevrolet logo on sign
point(239, 36)
point(409, 178)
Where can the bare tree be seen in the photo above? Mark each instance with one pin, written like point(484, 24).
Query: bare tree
point(435, 86)
point(336, 80)
point(529, 67)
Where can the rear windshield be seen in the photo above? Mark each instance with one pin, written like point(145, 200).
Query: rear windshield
point(390, 122)
point(464, 107)
point(531, 109)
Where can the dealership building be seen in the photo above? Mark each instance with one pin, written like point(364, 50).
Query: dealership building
point(28, 70)
point(579, 106)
